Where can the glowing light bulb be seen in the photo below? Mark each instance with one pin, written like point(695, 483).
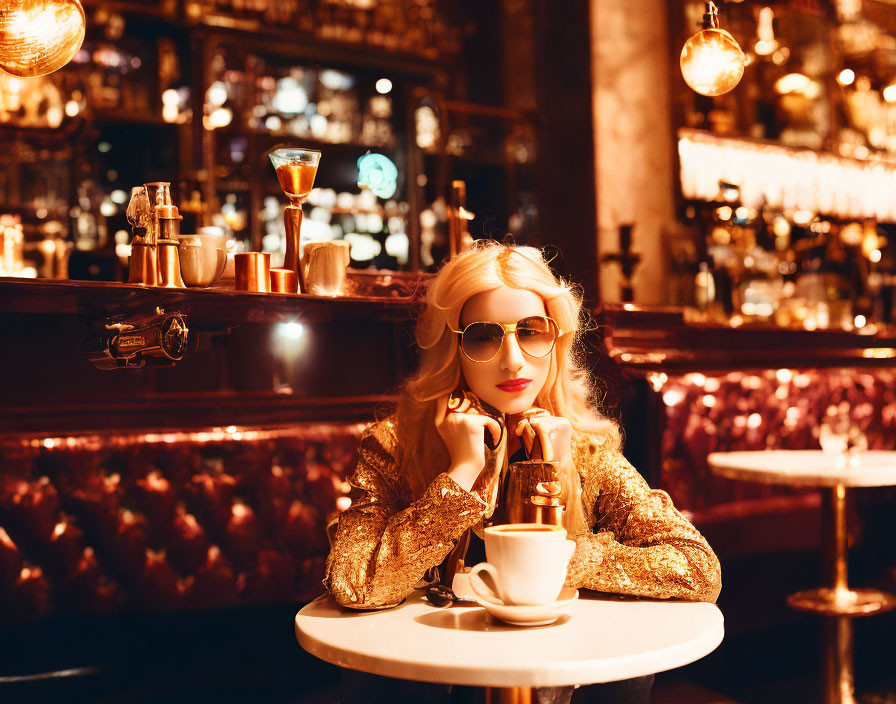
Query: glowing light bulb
point(846, 77)
point(38, 37)
point(712, 62)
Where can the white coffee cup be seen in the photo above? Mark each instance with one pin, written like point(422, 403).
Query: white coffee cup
point(526, 561)
point(202, 258)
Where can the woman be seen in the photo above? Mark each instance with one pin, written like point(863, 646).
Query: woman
point(425, 475)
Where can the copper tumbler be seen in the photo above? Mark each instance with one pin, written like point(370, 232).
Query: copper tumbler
point(284, 281)
point(526, 480)
point(253, 271)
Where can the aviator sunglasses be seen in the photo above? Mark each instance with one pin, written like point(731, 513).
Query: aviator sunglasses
point(481, 341)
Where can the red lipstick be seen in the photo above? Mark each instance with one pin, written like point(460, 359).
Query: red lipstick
point(514, 385)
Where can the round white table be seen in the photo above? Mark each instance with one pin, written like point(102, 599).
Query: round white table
point(834, 472)
point(601, 638)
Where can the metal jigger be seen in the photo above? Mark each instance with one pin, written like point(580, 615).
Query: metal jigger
point(296, 169)
point(168, 220)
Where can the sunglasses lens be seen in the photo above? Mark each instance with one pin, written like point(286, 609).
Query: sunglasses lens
point(481, 341)
point(536, 335)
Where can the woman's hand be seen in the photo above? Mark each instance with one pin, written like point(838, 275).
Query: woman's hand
point(462, 431)
point(554, 435)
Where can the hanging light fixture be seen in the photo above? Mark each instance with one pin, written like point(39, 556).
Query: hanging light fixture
point(38, 37)
point(712, 62)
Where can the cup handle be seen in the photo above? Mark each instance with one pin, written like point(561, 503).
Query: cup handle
point(570, 549)
point(480, 589)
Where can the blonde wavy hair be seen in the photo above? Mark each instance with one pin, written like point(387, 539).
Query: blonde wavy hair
point(569, 386)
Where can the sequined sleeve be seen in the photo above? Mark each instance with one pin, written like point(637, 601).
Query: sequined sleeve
point(641, 545)
point(385, 542)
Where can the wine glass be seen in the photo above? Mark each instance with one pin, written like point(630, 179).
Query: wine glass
point(296, 169)
point(839, 435)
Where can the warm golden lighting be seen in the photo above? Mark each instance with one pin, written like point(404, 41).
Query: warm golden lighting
point(765, 30)
point(846, 77)
point(38, 37)
point(712, 62)
point(890, 93)
point(798, 84)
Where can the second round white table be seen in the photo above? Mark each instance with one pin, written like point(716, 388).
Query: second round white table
point(835, 472)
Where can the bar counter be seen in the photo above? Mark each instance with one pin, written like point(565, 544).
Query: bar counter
point(253, 358)
point(646, 339)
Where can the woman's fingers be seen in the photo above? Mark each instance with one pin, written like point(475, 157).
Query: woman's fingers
point(555, 435)
point(526, 432)
point(545, 431)
point(495, 428)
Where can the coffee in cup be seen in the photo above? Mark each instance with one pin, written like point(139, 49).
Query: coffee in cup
point(527, 563)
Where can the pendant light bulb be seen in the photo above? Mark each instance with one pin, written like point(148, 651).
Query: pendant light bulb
point(38, 37)
point(712, 62)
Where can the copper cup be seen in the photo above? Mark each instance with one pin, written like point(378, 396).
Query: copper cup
point(526, 480)
point(253, 271)
point(284, 281)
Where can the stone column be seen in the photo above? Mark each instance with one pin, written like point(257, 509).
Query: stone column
point(631, 74)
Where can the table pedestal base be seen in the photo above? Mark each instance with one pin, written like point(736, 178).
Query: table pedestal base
point(508, 695)
point(842, 602)
point(528, 695)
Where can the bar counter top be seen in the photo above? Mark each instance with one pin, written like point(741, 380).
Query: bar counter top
point(637, 338)
point(385, 295)
point(647, 339)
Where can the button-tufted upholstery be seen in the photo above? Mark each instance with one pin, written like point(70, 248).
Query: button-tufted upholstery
point(168, 520)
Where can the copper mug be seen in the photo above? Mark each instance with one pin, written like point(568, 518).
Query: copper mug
point(324, 265)
point(253, 271)
point(533, 493)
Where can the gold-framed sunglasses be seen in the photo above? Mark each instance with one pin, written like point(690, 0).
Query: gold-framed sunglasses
point(481, 341)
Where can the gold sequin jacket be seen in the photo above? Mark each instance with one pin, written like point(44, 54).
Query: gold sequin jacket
point(386, 540)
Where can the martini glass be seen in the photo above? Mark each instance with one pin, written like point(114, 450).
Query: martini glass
point(296, 169)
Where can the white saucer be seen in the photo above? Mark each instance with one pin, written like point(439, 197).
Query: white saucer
point(540, 615)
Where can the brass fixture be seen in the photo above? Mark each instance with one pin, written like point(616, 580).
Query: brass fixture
point(158, 339)
point(459, 239)
point(712, 61)
point(38, 37)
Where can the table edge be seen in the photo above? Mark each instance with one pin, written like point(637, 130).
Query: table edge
point(758, 476)
point(572, 674)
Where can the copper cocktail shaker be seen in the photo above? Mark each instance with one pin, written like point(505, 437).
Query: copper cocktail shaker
point(168, 221)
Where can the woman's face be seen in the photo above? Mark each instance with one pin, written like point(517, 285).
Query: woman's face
point(505, 305)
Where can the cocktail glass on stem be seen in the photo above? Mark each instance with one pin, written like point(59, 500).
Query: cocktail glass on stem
point(296, 169)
